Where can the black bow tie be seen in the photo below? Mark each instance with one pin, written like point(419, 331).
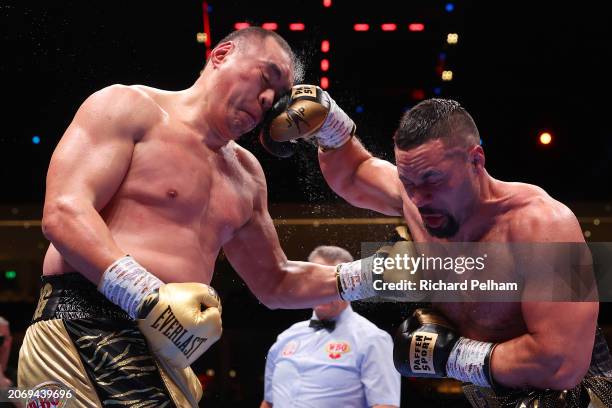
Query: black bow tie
point(329, 325)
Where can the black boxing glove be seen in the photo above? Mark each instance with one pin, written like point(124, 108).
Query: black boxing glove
point(307, 112)
point(426, 345)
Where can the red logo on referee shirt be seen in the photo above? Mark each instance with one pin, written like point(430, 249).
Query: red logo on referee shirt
point(290, 348)
point(335, 350)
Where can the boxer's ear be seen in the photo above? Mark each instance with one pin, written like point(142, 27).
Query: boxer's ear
point(476, 157)
point(220, 52)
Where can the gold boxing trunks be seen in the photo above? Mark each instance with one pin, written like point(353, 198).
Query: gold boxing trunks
point(81, 340)
point(594, 391)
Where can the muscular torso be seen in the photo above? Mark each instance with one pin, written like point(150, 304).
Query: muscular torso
point(485, 321)
point(178, 203)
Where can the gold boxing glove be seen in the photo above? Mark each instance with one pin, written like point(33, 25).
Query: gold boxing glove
point(181, 321)
point(308, 111)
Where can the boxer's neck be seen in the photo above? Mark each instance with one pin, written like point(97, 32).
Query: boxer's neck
point(489, 200)
point(194, 108)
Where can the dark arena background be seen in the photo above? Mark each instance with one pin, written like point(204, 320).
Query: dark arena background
point(533, 75)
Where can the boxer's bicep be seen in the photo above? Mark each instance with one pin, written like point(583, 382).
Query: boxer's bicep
point(361, 179)
point(563, 331)
point(567, 327)
point(555, 351)
point(378, 187)
point(255, 253)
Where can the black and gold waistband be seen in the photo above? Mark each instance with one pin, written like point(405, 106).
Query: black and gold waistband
point(71, 296)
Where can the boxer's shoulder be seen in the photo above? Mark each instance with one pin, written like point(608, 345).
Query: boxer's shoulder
point(130, 97)
point(536, 216)
point(249, 162)
point(126, 107)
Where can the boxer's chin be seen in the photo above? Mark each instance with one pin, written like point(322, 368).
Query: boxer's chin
point(448, 229)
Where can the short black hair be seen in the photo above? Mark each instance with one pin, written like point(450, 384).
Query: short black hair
point(261, 34)
point(436, 119)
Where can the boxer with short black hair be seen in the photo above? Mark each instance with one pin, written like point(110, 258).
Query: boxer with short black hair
point(506, 353)
point(143, 191)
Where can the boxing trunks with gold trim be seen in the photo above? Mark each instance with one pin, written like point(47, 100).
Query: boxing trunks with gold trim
point(80, 339)
point(594, 391)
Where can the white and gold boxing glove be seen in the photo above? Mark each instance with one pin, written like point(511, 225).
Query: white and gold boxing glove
point(180, 321)
point(307, 112)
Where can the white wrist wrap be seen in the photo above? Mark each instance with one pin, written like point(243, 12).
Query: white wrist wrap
point(468, 362)
point(354, 281)
point(337, 129)
point(126, 283)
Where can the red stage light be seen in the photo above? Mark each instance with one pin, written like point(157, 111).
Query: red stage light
point(324, 46)
point(327, 3)
point(324, 82)
point(240, 26)
point(297, 26)
point(418, 94)
point(270, 26)
point(324, 65)
point(416, 26)
point(389, 27)
point(361, 27)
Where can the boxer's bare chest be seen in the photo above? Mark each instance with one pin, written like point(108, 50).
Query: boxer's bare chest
point(485, 321)
point(176, 180)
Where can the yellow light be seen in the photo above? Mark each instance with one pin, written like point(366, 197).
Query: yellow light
point(447, 75)
point(210, 372)
point(545, 138)
point(201, 37)
point(452, 38)
point(596, 221)
point(587, 233)
point(449, 387)
point(232, 373)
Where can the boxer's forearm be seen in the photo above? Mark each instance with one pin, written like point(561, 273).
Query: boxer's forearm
point(339, 166)
point(302, 285)
point(80, 235)
point(528, 361)
point(361, 179)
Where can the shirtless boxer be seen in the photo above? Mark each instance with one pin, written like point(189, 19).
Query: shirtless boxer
point(156, 175)
point(442, 189)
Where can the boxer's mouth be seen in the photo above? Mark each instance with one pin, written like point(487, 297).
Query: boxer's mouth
point(433, 220)
point(247, 119)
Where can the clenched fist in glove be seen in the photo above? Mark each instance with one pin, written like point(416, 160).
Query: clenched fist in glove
point(307, 112)
point(426, 345)
point(179, 320)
